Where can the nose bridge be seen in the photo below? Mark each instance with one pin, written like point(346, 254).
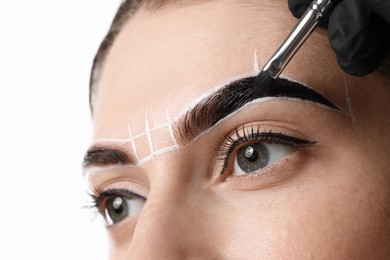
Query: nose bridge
point(172, 221)
point(165, 228)
point(160, 229)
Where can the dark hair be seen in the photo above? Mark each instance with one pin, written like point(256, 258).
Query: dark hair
point(125, 11)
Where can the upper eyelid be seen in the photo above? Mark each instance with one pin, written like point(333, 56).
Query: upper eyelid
point(114, 192)
point(253, 136)
point(269, 137)
point(119, 178)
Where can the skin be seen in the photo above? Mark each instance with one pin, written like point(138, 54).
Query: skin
point(327, 201)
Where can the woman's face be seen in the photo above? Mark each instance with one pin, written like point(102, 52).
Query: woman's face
point(295, 177)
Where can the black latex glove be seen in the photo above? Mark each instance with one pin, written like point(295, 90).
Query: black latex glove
point(359, 32)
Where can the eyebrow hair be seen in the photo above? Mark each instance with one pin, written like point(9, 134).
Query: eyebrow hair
point(210, 111)
point(106, 156)
point(234, 96)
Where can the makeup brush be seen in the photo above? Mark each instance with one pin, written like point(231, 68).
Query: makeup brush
point(304, 27)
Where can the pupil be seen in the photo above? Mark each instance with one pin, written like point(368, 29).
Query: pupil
point(251, 154)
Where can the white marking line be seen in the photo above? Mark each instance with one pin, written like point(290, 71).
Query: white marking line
point(159, 152)
point(349, 100)
point(139, 136)
point(148, 135)
point(256, 68)
point(208, 94)
point(195, 102)
point(145, 160)
point(256, 101)
point(151, 130)
point(214, 89)
point(160, 127)
point(282, 76)
point(170, 122)
point(132, 140)
point(165, 150)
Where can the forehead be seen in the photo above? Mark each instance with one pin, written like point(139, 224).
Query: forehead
point(163, 60)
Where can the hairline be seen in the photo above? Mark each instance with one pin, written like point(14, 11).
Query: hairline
point(125, 11)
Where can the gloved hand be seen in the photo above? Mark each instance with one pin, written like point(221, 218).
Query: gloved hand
point(359, 32)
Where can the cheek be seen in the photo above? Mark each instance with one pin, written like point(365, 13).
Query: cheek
point(340, 214)
point(345, 216)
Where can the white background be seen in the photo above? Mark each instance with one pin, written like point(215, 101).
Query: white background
point(46, 50)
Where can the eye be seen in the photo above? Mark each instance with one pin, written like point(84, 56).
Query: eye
point(252, 150)
point(117, 205)
point(256, 156)
point(119, 208)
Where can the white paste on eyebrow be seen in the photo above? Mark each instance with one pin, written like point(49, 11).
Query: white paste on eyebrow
point(209, 93)
point(157, 153)
point(194, 103)
point(145, 160)
point(127, 140)
point(148, 135)
point(133, 142)
point(282, 76)
point(213, 90)
point(150, 130)
point(200, 99)
point(256, 101)
point(170, 129)
point(135, 137)
point(349, 100)
point(159, 127)
point(256, 68)
point(165, 150)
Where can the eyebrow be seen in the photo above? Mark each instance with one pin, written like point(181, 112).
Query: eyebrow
point(234, 96)
point(106, 156)
point(209, 112)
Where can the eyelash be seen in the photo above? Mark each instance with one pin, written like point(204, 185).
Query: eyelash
point(102, 196)
point(244, 137)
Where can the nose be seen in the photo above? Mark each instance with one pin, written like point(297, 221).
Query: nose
point(174, 224)
point(170, 227)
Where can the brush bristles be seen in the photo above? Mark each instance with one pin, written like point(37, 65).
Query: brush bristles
point(263, 79)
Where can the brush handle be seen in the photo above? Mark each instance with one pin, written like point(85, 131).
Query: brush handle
point(305, 26)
